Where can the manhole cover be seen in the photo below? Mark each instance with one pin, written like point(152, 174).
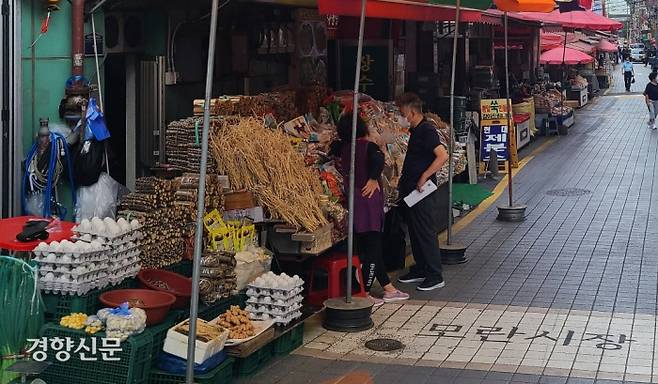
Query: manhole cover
point(569, 192)
point(384, 345)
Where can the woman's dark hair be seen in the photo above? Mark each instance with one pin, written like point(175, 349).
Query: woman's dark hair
point(345, 127)
point(652, 76)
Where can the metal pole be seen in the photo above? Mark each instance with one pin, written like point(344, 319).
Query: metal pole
point(451, 165)
point(98, 70)
point(201, 197)
point(509, 121)
point(355, 111)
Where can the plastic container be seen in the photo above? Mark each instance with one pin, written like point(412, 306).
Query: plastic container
point(156, 304)
point(223, 374)
point(290, 340)
point(133, 365)
point(176, 344)
point(179, 286)
point(254, 362)
point(171, 364)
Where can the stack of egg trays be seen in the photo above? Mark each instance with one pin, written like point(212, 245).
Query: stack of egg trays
point(122, 247)
point(280, 305)
point(78, 282)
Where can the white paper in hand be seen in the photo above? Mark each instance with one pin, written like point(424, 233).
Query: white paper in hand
point(414, 197)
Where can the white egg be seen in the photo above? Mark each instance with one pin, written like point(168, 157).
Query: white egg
point(63, 269)
point(41, 247)
point(124, 225)
point(63, 278)
point(98, 227)
point(66, 259)
point(85, 225)
point(113, 229)
point(49, 276)
point(86, 237)
point(51, 258)
point(55, 247)
point(109, 220)
point(96, 245)
point(134, 224)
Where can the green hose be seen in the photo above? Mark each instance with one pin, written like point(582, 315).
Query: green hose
point(21, 310)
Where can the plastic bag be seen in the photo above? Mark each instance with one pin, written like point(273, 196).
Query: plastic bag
point(250, 264)
point(34, 204)
point(99, 199)
point(123, 322)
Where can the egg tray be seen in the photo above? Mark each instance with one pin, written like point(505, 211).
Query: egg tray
point(276, 294)
point(114, 280)
point(77, 229)
point(284, 303)
point(278, 320)
point(43, 270)
point(129, 246)
point(59, 288)
point(90, 255)
point(124, 255)
point(114, 267)
point(252, 285)
point(273, 310)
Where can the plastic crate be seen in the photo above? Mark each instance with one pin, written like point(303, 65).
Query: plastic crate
point(133, 367)
point(58, 306)
point(254, 362)
point(290, 340)
point(223, 374)
point(159, 332)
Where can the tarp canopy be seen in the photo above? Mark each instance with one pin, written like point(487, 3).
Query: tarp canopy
point(549, 40)
point(577, 20)
point(417, 10)
point(571, 56)
point(607, 46)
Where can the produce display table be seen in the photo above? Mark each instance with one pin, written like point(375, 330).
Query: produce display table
point(13, 226)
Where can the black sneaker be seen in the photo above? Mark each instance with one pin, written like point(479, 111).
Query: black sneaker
point(431, 283)
point(411, 277)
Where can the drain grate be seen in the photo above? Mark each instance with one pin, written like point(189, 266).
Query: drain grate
point(568, 192)
point(384, 345)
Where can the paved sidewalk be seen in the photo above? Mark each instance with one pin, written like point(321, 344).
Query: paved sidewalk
point(569, 295)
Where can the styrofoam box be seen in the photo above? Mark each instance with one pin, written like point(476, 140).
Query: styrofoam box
point(176, 344)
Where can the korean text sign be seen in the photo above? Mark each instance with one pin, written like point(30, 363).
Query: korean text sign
point(494, 137)
point(493, 109)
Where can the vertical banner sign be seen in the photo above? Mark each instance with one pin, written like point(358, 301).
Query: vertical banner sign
point(494, 129)
point(375, 68)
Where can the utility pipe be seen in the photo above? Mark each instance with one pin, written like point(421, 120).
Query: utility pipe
point(78, 36)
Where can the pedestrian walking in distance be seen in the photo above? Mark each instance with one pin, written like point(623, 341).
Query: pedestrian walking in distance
point(629, 73)
point(426, 155)
point(368, 204)
point(651, 97)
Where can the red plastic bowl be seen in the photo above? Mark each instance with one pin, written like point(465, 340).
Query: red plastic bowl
point(179, 285)
point(156, 304)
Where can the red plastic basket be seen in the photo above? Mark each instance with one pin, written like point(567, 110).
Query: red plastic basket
point(179, 286)
point(156, 304)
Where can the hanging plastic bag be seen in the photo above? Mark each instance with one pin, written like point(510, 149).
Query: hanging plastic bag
point(96, 128)
point(99, 199)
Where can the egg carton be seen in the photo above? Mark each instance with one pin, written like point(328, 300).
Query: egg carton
point(266, 300)
point(300, 284)
point(122, 239)
point(276, 294)
point(273, 310)
point(129, 273)
point(278, 320)
point(124, 255)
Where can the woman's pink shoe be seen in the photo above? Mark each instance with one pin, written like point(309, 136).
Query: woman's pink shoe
point(376, 300)
point(397, 295)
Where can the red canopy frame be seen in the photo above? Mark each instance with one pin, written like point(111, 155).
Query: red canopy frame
point(416, 10)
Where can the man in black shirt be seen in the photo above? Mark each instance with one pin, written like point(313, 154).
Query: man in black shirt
point(426, 155)
point(651, 97)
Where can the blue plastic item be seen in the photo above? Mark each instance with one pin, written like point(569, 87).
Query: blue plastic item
point(176, 365)
point(96, 128)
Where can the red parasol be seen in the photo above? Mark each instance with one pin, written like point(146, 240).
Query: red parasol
point(577, 19)
point(571, 57)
